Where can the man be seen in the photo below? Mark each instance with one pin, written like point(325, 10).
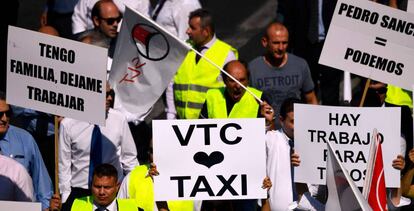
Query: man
point(81, 144)
point(16, 184)
point(81, 18)
point(280, 159)
point(280, 74)
point(105, 185)
point(20, 145)
point(195, 76)
point(232, 101)
point(105, 18)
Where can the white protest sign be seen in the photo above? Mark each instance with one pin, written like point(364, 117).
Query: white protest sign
point(56, 75)
point(349, 130)
point(15, 205)
point(371, 40)
point(209, 159)
point(410, 6)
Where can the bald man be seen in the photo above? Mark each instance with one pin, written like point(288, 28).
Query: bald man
point(233, 101)
point(279, 74)
point(49, 30)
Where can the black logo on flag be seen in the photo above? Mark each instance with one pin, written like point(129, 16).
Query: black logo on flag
point(150, 42)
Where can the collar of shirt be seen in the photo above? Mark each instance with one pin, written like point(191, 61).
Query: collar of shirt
point(285, 136)
point(113, 206)
point(6, 137)
point(209, 44)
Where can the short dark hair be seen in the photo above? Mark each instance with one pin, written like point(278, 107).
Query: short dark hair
point(226, 66)
point(96, 10)
point(105, 169)
point(206, 18)
point(2, 96)
point(287, 106)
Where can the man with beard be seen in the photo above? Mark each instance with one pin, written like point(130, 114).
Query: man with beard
point(280, 74)
point(196, 75)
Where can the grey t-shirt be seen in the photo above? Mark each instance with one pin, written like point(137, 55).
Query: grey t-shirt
point(277, 84)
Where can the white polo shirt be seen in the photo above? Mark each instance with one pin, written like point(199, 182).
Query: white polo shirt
point(278, 170)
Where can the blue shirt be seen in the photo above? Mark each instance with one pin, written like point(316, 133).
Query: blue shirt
point(29, 119)
point(20, 145)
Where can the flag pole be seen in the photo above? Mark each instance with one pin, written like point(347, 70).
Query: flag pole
point(227, 74)
point(364, 94)
point(56, 155)
point(188, 46)
point(370, 163)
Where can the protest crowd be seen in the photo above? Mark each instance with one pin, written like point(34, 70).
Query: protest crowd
point(111, 167)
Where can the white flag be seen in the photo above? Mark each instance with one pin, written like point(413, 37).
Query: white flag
point(343, 194)
point(145, 60)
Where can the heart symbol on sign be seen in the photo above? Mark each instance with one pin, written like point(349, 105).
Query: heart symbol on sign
point(214, 158)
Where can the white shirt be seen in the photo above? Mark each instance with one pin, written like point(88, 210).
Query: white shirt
point(15, 182)
point(82, 17)
point(74, 149)
point(278, 170)
point(113, 206)
point(123, 192)
point(173, 16)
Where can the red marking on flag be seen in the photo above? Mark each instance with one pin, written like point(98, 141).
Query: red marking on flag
point(125, 79)
point(377, 196)
point(140, 65)
point(140, 34)
point(134, 75)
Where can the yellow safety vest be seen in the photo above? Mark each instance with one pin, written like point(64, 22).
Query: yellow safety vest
point(141, 189)
point(247, 107)
point(86, 204)
point(397, 96)
point(192, 80)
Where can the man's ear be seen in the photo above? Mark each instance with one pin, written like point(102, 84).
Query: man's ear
point(281, 120)
point(118, 185)
point(96, 21)
point(206, 31)
point(264, 42)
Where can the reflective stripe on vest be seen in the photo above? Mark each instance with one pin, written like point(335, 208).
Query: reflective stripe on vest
point(86, 204)
point(141, 189)
point(247, 107)
point(397, 96)
point(192, 80)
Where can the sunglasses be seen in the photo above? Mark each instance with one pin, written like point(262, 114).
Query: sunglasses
point(111, 21)
point(110, 93)
point(8, 113)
